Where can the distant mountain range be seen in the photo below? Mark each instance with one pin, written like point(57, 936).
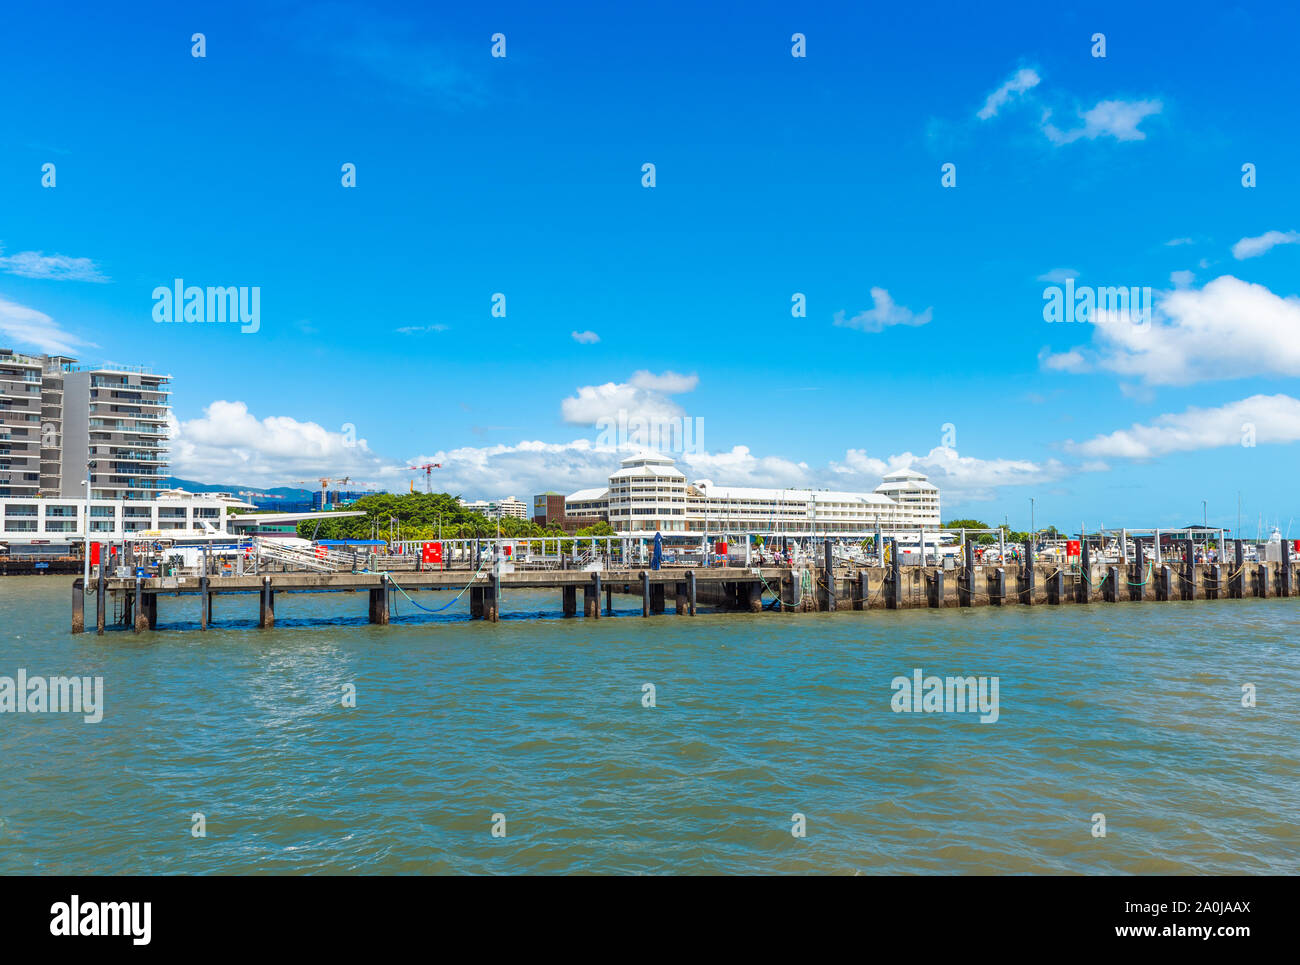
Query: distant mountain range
point(290, 493)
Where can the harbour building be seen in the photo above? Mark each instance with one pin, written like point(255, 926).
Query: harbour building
point(649, 494)
point(59, 419)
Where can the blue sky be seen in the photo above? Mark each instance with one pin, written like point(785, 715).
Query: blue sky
point(775, 175)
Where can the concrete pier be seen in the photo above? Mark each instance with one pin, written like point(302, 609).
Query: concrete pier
point(850, 587)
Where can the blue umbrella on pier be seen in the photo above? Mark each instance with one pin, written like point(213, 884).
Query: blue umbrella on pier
point(658, 556)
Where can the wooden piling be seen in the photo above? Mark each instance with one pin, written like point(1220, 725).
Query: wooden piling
point(690, 592)
point(645, 593)
point(266, 605)
point(79, 605)
point(829, 570)
point(1027, 581)
point(101, 590)
point(141, 622)
point(569, 600)
point(591, 598)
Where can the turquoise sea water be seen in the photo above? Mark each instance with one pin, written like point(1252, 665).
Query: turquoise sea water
point(1130, 710)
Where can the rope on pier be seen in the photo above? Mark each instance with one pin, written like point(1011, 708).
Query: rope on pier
point(441, 608)
point(1150, 568)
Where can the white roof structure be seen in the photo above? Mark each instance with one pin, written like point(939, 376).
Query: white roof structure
point(648, 464)
point(586, 495)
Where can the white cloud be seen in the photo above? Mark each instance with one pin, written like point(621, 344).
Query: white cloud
point(1229, 329)
point(417, 329)
point(882, 314)
point(37, 264)
point(645, 395)
point(1254, 247)
point(25, 326)
point(1058, 276)
point(228, 444)
point(1021, 81)
point(586, 338)
point(1113, 118)
point(958, 477)
point(1175, 242)
point(1071, 361)
point(1273, 419)
point(1182, 279)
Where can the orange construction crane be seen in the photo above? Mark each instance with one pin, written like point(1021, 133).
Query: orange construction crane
point(428, 468)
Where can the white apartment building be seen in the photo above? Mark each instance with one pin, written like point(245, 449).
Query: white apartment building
point(59, 419)
point(507, 507)
point(175, 514)
point(650, 494)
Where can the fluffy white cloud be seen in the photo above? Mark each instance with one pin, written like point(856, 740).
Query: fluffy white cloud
point(37, 264)
point(228, 444)
point(882, 314)
point(586, 338)
point(1261, 418)
point(1113, 118)
point(958, 477)
point(1229, 329)
point(1253, 247)
point(644, 396)
point(23, 326)
point(1021, 81)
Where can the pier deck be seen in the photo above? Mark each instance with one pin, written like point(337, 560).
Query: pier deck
point(789, 589)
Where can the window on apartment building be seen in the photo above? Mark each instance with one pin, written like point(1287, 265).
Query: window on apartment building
point(53, 512)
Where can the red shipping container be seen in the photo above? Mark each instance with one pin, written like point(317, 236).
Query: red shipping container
point(1072, 547)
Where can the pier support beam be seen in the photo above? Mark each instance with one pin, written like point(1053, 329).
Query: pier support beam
point(1027, 580)
point(1163, 580)
point(690, 592)
point(1140, 572)
point(379, 603)
point(895, 578)
point(1056, 587)
point(1083, 590)
point(645, 593)
point(78, 605)
point(829, 572)
point(966, 581)
point(101, 590)
point(1261, 580)
point(754, 593)
point(1237, 582)
point(1189, 570)
point(936, 590)
point(569, 596)
point(141, 622)
point(609, 600)
point(205, 602)
point(679, 598)
point(491, 599)
point(657, 598)
point(1214, 589)
point(864, 591)
point(266, 605)
point(1110, 592)
point(475, 603)
point(998, 582)
point(151, 609)
point(591, 598)
point(1284, 576)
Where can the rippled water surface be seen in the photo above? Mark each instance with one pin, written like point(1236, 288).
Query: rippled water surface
point(1133, 711)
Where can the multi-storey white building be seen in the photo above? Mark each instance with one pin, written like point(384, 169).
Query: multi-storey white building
point(175, 514)
point(650, 494)
point(59, 420)
point(506, 507)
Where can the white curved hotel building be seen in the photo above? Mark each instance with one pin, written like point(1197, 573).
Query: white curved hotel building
point(650, 494)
